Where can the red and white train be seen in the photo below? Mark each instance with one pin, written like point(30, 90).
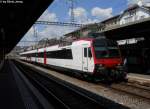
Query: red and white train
point(98, 58)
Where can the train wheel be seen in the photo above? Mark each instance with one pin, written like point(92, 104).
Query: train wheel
point(87, 77)
point(148, 72)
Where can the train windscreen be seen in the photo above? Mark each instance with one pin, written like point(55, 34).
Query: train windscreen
point(105, 48)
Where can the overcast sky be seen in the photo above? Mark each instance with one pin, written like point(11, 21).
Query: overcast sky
point(85, 11)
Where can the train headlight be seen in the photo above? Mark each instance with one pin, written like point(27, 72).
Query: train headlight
point(119, 67)
point(119, 64)
point(101, 65)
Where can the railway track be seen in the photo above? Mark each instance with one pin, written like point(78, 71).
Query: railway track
point(129, 95)
point(64, 97)
point(132, 89)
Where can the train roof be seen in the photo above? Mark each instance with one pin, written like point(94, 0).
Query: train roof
point(30, 51)
point(59, 47)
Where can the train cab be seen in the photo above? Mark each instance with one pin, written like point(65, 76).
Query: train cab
point(107, 58)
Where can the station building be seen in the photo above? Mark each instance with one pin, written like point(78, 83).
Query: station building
point(131, 14)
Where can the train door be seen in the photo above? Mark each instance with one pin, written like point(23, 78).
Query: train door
point(85, 60)
point(90, 60)
point(44, 56)
point(36, 56)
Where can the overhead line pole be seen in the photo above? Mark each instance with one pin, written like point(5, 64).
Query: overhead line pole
point(72, 11)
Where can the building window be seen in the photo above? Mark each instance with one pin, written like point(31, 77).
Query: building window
point(128, 19)
point(142, 17)
point(132, 13)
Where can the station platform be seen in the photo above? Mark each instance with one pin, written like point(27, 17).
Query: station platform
point(14, 92)
point(139, 79)
point(10, 97)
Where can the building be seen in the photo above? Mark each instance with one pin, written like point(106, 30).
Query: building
point(134, 13)
point(111, 21)
point(84, 31)
point(131, 14)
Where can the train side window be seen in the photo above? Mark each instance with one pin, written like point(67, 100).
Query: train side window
point(60, 54)
point(41, 54)
point(85, 52)
point(89, 52)
point(36, 54)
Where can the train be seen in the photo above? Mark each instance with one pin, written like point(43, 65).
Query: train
point(90, 57)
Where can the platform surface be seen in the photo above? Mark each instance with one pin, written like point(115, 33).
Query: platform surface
point(140, 76)
point(10, 97)
point(139, 79)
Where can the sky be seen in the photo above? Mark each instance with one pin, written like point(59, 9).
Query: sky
point(85, 12)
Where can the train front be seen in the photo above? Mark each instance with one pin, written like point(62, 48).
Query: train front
point(107, 59)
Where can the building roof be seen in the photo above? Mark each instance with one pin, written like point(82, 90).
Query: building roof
point(135, 6)
point(112, 18)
